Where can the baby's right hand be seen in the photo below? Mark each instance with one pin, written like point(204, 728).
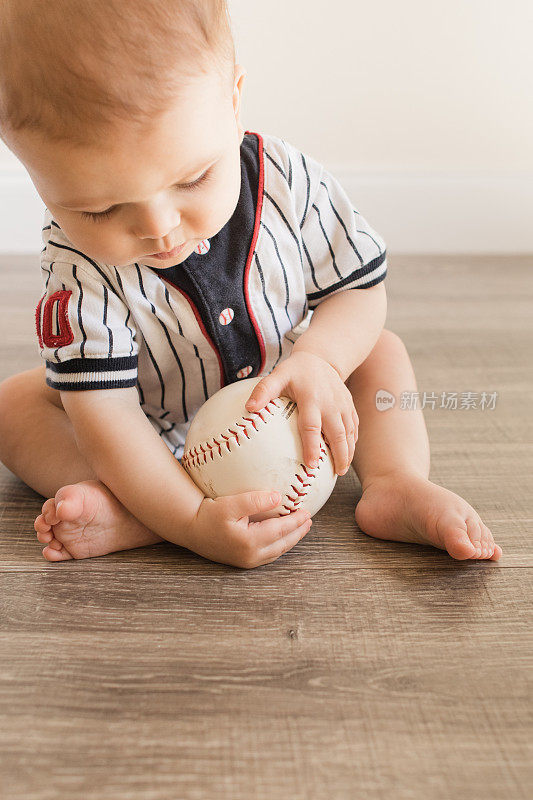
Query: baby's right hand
point(221, 530)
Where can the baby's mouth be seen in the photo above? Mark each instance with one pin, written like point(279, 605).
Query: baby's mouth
point(170, 254)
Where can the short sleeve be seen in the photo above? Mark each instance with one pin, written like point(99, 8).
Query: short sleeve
point(85, 330)
point(340, 249)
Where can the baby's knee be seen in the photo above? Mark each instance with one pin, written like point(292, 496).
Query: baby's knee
point(388, 350)
point(389, 345)
point(12, 395)
point(29, 383)
point(11, 390)
point(20, 396)
point(389, 341)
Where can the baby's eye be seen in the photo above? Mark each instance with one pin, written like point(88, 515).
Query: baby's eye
point(202, 179)
point(97, 216)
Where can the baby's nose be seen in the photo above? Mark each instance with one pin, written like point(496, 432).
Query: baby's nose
point(157, 222)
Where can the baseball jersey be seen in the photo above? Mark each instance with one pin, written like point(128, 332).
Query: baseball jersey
point(233, 309)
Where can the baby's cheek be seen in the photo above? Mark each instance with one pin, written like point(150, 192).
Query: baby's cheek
point(228, 199)
point(211, 216)
point(106, 242)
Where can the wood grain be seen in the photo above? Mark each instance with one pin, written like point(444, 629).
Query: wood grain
point(349, 668)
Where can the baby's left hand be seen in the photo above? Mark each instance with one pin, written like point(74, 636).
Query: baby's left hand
point(324, 404)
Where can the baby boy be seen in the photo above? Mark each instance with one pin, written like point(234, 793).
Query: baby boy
point(182, 253)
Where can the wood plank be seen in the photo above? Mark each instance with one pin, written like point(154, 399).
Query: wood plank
point(375, 683)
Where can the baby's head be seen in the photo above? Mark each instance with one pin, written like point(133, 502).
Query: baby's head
point(113, 106)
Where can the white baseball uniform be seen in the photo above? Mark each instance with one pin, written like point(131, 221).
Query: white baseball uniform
point(233, 309)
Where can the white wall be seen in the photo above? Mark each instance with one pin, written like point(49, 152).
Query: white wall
point(423, 110)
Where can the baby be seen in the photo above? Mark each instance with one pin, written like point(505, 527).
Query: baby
point(182, 253)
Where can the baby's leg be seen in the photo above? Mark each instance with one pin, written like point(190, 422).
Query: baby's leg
point(392, 461)
point(37, 443)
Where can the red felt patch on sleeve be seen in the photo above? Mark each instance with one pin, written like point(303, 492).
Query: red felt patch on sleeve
point(56, 308)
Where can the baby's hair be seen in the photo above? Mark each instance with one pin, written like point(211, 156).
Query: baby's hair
point(69, 68)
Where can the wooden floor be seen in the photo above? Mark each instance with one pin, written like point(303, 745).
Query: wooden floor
point(350, 668)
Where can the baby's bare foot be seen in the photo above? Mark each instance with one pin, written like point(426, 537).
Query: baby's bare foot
point(412, 509)
point(84, 520)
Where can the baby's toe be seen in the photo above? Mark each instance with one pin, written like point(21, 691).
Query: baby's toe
point(497, 553)
point(51, 554)
point(40, 525)
point(458, 543)
point(486, 542)
point(475, 534)
point(49, 512)
point(55, 544)
point(482, 540)
point(45, 537)
point(492, 550)
point(44, 532)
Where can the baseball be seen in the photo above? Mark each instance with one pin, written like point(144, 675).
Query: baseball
point(229, 450)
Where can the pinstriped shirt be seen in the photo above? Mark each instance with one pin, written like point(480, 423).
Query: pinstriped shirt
point(232, 309)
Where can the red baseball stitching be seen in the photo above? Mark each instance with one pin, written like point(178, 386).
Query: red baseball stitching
point(305, 475)
point(295, 502)
point(193, 458)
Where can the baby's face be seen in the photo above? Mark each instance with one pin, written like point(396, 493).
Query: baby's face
point(124, 200)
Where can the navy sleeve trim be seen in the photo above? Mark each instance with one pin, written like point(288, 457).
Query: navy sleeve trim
point(92, 373)
point(74, 365)
point(358, 273)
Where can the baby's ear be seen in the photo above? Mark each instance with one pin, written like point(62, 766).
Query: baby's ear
point(240, 74)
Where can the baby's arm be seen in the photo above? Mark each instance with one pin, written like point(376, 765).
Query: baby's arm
point(118, 441)
point(128, 456)
point(345, 327)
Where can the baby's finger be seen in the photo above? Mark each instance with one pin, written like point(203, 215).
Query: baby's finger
point(335, 432)
point(282, 546)
point(247, 504)
point(309, 425)
point(269, 531)
point(351, 435)
point(355, 421)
